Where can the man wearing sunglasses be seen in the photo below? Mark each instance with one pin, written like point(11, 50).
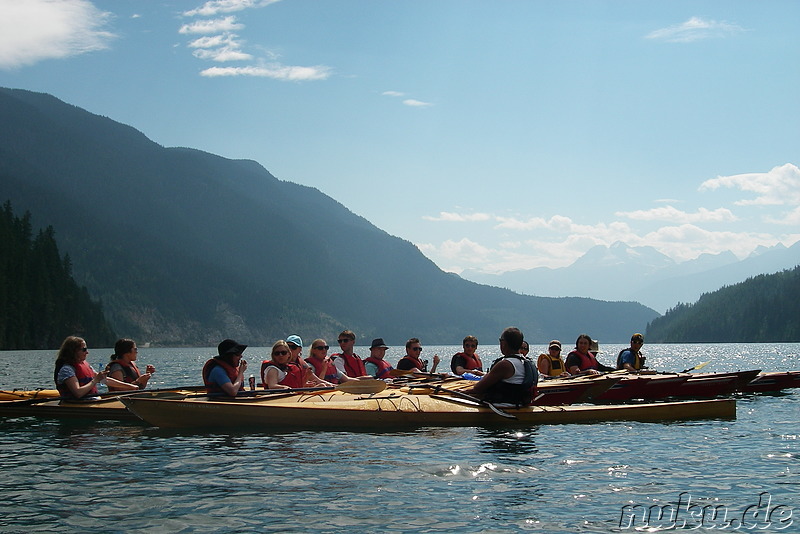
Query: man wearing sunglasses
point(347, 361)
point(412, 361)
point(631, 359)
point(467, 361)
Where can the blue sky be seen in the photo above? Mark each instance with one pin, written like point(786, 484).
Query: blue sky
point(495, 135)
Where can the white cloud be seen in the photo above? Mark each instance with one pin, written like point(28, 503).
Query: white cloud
point(695, 29)
point(36, 30)
point(393, 93)
point(276, 72)
point(458, 217)
point(779, 186)
point(214, 7)
point(226, 53)
point(669, 213)
point(416, 103)
point(557, 223)
point(212, 41)
point(220, 44)
point(226, 24)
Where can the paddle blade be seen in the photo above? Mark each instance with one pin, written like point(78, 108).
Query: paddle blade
point(696, 367)
point(362, 387)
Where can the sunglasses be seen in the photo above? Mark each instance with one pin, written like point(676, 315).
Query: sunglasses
point(417, 349)
point(555, 348)
point(324, 347)
point(83, 349)
point(280, 353)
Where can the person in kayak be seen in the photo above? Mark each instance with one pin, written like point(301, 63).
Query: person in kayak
point(321, 364)
point(412, 362)
point(295, 353)
point(467, 361)
point(552, 364)
point(224, 373)
point(631, 359)
point(581, 360)
point(347, 361)
point(123, 367)
point(280, 373)
point(376, 364)
point(512, 378)
point(74, 377)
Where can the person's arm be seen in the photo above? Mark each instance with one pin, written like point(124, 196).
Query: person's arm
point(543, 365)
point(118, 385)
point(232, 388)
point(271, 379)
point(500, 371)
point(573, 364)
point(436, 360)
point(79, 391)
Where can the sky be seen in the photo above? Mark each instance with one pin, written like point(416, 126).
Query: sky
point(495, 135)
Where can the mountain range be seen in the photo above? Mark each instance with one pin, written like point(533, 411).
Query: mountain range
point(184, 247)
point(642, 274)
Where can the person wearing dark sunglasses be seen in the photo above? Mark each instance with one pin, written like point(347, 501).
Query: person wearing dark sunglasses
point(413, 362)
point(279, 372)
point(322, 365)
point(347, 361)
point(467, 361)
point(74, 377)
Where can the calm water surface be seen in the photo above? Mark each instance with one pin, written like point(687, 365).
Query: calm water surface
point(82, 476)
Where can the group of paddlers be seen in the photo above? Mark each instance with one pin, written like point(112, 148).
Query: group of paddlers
point(583, 358)
point(511, 379)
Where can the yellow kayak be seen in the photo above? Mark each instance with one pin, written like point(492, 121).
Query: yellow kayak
point(18, 394)
point(393, 409)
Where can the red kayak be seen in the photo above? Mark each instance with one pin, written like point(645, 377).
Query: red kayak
point(770, 382)
point(559, 392)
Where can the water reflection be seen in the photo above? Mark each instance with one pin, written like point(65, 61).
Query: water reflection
point(511, 442)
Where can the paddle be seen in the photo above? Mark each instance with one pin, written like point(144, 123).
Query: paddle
point(696, 367)
point(400, 372)
point(455, 393)
point(354, 387)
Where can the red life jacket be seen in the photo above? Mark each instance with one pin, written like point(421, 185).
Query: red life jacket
point(130, 373)
point(383, 366)
point(324, 370)
point(212, 388)
point(84, 374)
point(471, 362)
point(588, 361)
point(353, 365)
point(295, 375)
point(415, 363)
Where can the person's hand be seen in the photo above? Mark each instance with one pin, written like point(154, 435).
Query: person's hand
point(150, 369)
point(99, 377)
point(436, 359)
point(242, 366)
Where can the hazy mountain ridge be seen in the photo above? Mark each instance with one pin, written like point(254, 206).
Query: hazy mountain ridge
point(642, 274)
point(186, 247)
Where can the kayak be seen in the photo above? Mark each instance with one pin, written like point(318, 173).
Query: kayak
point(19, 394)
point(654, 386)
point(771, 382)
point(555, 392)
point(104, 407)
point(394, 409)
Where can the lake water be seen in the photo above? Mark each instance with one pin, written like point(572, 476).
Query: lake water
point(81, 476)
